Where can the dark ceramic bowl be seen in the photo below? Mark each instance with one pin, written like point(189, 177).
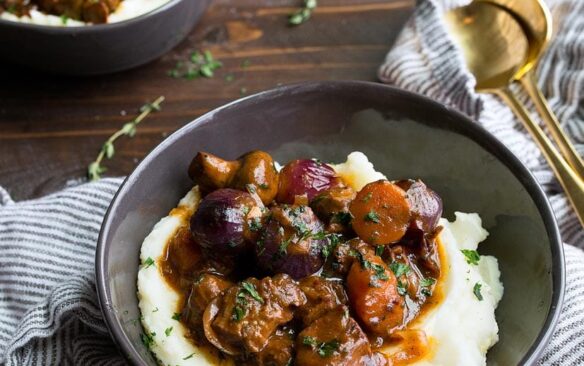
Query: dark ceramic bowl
point(405, 135)
point(102, 48)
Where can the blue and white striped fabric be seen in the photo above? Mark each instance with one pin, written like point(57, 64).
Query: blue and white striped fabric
point(425, 60)
point(49, 313)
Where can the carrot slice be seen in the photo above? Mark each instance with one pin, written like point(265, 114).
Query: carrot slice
point(372, 291)
point(381, 213)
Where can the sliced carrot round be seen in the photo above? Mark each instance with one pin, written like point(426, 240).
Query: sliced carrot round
point(381, 213)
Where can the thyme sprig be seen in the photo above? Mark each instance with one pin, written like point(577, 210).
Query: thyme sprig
point(303, 14)
point(96, 169)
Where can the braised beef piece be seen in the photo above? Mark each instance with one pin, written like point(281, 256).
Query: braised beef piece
point(278, 352)
point(322, 296)
point(335, 339)
point(343, 256)
point(245, 317)
point(332, 207)
point(206, 288)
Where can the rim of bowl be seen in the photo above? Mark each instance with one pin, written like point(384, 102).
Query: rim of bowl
point(513, 163)
point(94, 27)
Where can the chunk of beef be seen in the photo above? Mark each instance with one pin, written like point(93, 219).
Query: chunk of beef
point(335, 340)
point(246, 316)
point(322, 296)
point(332, 206)
point(278, 352)
point(203, 291)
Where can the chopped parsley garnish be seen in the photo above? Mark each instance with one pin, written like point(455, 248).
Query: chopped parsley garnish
point(379, 250)
point(372, 216)
point(189, 356)
point(238, 313)
point(399, 269)
point(379, 270)
point(148, 339)
point(155, 310)
point(472, 256)
point(332, 241)
point(476, 290)
point(324, 349)
point(401, 288)
point(303, 14)
point(264, 186)
point(255, 224)
point(367, 197)
point(343, 218)
point(251, 290)
point(167, 331)
point(251, 188)
point(426, 283)
point(64, 19)
point(148, 262)
point(198, 64)
point(176, 316)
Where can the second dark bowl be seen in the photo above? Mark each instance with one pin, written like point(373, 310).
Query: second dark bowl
point(103, 48)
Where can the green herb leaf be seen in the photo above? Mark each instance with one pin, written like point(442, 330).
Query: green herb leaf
point(176, 316)
point(476, 290)
point(64, 19)
point(238, 313)
point(303, 14)
point(149, 262)
point(255, 224)
point(472, 256)
point(401, 288)
point(427, 282)
point(109, 150)
point(367, 197)
point(379, 250)
point(372, 216)
point(324, 349)
point(147, 339)
point(167, 331)
point(251, 290)
point(399, 269)
point(343, 218)
point(189, 356)
point(155, 310)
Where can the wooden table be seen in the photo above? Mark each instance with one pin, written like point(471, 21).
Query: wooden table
point(52, 127)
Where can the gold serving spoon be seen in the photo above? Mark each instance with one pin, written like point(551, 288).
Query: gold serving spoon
point(496, 50)
point(536, 21)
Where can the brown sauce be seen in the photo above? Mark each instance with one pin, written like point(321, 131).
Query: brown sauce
point(184, 261)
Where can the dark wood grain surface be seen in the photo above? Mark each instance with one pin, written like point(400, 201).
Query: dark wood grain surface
point(52, 127)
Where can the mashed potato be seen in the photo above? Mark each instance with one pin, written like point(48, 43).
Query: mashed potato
point(128, 9)
point(460, 329)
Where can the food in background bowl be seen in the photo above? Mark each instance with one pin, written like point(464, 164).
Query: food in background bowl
point(75, 13)
point(315, 264)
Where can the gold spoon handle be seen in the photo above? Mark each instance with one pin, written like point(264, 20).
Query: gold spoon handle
point(566, 147)
point(570, 181)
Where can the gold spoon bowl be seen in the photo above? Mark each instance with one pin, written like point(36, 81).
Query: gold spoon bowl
point(498, 51)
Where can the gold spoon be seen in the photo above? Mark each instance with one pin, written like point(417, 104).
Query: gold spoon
point(536, 21)
point(496, 48)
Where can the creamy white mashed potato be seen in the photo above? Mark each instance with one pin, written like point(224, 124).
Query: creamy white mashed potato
point(128, 9)
point(158, 301)
point(460, 329)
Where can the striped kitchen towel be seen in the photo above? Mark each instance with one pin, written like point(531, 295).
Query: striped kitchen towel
point(425, 60)
point(49, 314)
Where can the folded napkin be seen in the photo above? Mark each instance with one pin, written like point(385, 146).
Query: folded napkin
point(49, 314)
